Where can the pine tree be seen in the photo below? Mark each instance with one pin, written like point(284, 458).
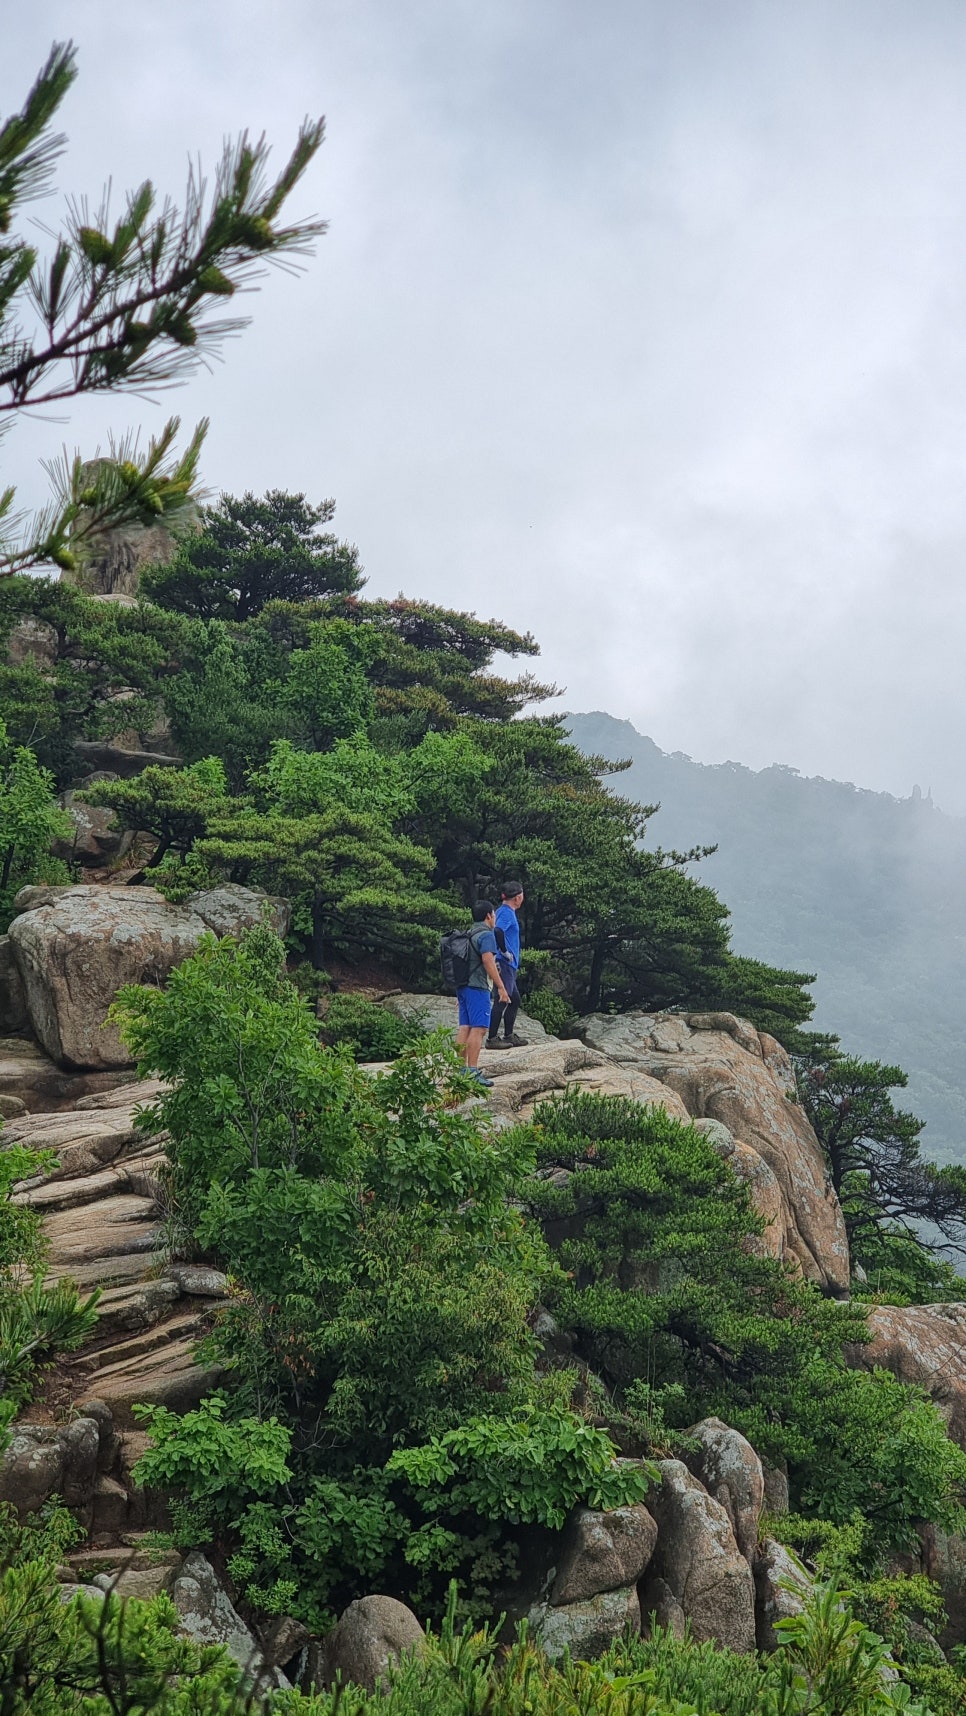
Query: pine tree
point(132, 303)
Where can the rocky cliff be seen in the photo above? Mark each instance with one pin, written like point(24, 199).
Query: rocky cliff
point(692, 1555)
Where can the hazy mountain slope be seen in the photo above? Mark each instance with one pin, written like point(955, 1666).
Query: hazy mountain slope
point(867, 890)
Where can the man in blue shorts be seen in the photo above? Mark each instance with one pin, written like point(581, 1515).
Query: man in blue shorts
point(474, 996)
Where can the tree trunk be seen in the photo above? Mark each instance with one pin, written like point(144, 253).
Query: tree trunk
point(317, 945)
point(596, 976)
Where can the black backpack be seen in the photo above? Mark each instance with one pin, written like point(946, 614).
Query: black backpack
point(458, 958)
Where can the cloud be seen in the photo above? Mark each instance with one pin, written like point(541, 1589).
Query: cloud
point(639, 326)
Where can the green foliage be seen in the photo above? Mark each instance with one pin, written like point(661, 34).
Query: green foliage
point(662, 1289)
point(361, 1219)
point(35, 1321)
point(205, 1452)
point(133, 302)
point(250, 552)
point(829, 1664)
point(873, 1152)
point(30, 819)
point(903, 1270)
point(531, 1469)
point(175, 805)
point(97, 1655)
point(398, 1200)
point(368, 1031)
point(550, 1010)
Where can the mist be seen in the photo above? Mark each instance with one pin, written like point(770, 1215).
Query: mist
point(638, 326)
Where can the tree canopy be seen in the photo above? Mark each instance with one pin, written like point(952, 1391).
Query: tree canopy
point(872, 1149)
point(250, 552)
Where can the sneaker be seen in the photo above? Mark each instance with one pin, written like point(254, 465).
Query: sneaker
point(480, 1078)
point(499, 1043)
point(515, 1042)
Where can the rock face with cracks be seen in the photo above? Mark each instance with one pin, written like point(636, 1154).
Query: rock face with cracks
point(922, 1344)
point(602, 1552)
point(730, 1470)
point(699, 1563)
point(722, 1069)
point(75, 950)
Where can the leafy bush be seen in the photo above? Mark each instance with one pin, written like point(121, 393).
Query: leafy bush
point(362, 1219)
point(550, 1010)
point(663, 1291)
point(30, 819)
point(829, 1664)
point(368, 1031)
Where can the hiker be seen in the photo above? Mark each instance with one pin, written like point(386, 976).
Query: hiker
point(474, 995)
point(505, 1007)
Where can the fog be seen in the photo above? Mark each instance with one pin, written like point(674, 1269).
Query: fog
point(639, 325)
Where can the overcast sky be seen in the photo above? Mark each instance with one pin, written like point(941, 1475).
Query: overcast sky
point(640, 324)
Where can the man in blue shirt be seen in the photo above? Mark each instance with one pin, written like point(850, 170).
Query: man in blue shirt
point(508, 960)
point(474, 996)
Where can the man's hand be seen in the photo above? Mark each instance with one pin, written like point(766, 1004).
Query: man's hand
point(502, 994)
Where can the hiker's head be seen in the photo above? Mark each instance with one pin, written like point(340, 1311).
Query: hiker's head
point(484, 912)
point(511, 894)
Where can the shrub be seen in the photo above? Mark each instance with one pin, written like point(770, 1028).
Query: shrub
point(663, 1291)
point(362, 1219)
point(97, 1655)
point(368, 1031)
point(550, 1010)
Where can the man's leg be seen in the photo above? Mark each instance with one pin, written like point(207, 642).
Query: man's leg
point(474, 1043)
point(462, 1036)
point(512, 1009)
point(497, 1010)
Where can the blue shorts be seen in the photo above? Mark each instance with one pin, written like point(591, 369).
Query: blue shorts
point(474, 1007)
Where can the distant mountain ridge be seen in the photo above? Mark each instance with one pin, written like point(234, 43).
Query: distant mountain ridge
point(866, 890)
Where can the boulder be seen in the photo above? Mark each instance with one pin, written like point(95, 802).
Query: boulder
point(33, 642)
point(370, 1634)
point(730, 1470)
point(603, 1551)
point(13, 999)
point(95, 837)
point(112, 757)
point(776, 1568)
point(716, 1064)
point(207, 1615)
point(37, 1082)
point(660, 1607)
point(231, 909)
point(922, 1344)
point(44, 1460)
point(75, 951)
point(943, 1559)
point(700, 1562)
point(586, 1629)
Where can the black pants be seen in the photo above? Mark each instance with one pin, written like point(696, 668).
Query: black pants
point(505, 1010)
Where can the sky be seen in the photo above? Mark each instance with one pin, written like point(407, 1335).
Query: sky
point(640, 325)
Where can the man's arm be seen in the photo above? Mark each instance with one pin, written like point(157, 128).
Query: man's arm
point(493, 973)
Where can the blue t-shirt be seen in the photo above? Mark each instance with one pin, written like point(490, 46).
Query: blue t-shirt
point(485, 942)
point(509, 923)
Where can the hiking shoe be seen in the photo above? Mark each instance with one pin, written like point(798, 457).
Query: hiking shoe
point(499, 1043)
point(480, 1078)
point(515, 1042)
